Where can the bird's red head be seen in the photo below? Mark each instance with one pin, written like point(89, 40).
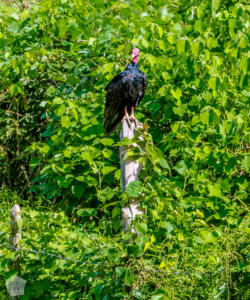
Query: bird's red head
point(135, 54)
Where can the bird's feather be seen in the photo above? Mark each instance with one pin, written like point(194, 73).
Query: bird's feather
point(125, 90)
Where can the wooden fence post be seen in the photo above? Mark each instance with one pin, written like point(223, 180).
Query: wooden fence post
point(129, 172)
point(15, 235)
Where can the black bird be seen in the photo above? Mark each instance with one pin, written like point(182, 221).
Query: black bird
point(124, 93)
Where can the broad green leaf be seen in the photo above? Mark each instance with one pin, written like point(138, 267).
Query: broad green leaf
point(212, 83)
point(232, 25)
point(171, 38)
point(141, 228)
point(204, 117)
point(91, 41)
point(176, 93)
point(180, 110)
point(65, 121)
point(167, 226)
point(44, 148)
point(214, 190)
point(78, 190)
point(13, 27)
point(195, 48)
point(169, 63)
point(69, 65)
point(207, 236)
point(134, 189)
point(181, 167)
point(158, 297)
point(198, 26)
point(75, 114)
point(181, 46)
point(147, 245)
point(215, 6)
point(212, 43)
point(107, 141)
point(243, 42)
point(246, 162)
point(162, 45)
point(106, 170)
point(80, 178)
point(163, 162)
point(180, 236)
point(128, 277)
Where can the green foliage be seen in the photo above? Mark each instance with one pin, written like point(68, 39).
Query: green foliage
point(198, 265)
point(56, 57)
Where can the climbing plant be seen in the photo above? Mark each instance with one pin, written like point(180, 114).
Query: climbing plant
point(56, 57)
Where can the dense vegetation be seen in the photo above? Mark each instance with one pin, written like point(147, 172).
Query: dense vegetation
point(56, 57)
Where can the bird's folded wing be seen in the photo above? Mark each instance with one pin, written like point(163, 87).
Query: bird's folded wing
point(114, 81)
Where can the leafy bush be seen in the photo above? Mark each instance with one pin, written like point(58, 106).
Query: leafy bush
point(164, 262)
point(56, 57)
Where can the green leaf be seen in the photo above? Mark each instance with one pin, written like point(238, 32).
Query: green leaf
point(204, 117)
point(214, 190)
point(154, 214)
point(128, 277)
point(243, 42)
point(167, 226)
point(215, 6)
point(13, 27)
point(212, 43)
point(180, 236)
point(86, 212)
point(34, 162)
point(134, 189)
point(91, 41)
point(106, 170)
point(158, 297)
point(120, 271)
point(169, 63)
point(176, 93)
point(44, 148)
point(232, 25)
point(65, 121)
point(246, 162)
point(207, 236)
point(74, 111)
point(181, 167)
point(181, 46)
point(78, 190)
point(69, 65)
point(126, 142)
point(180, 111)
point(212, 83)
point(107, 141)
point(195, 48)
point(141, 228)
point(163, 163)
point(80, 178)
point(162, 45)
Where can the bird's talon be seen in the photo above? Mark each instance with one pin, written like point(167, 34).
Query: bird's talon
point(126, 117)
point(135, 120)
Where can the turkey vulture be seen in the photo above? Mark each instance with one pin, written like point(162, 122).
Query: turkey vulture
point(124, 93)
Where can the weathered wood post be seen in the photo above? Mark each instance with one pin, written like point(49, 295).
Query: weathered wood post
point(130, 170)
point(15, 286)
point(15, 236)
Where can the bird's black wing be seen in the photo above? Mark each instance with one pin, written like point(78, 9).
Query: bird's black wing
point(114, 80)
point(142, 87)
point(115, 102)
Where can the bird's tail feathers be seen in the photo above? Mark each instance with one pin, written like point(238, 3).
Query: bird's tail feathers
point(112, 126)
